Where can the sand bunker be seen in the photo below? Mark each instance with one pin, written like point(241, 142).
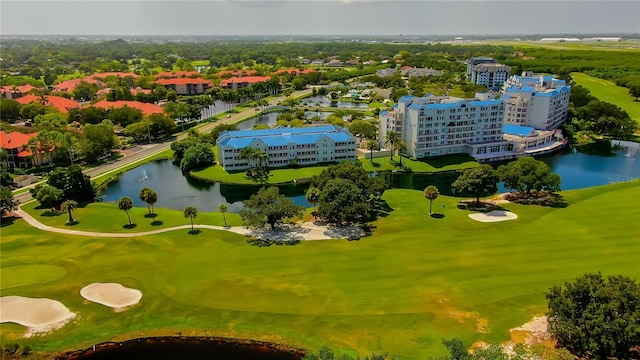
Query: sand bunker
point(39, 314)
point(494, 216)
point(112, 295)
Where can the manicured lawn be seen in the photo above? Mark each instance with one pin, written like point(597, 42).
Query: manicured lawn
point(416, 281)
point(276, 176)
point(609, 92)
point(436, 164)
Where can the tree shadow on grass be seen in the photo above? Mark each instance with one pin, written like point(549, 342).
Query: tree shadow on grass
point(269, 242)
point(129, 226)
point(6, 221)
point(71, 223)
point(152, 215)
point(437, 216)
point(156, 223)
point(195, 232)
point(52, 213)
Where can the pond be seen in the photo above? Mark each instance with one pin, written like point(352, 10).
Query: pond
point(171, 348)
point(324, 101)
point(578, 168)
point(272, 118)
point(177, 191)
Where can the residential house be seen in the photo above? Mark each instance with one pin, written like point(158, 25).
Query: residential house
point(186, 86)
point(62, 104)
point(235, 83)
point(145, 108)
point(20, 153)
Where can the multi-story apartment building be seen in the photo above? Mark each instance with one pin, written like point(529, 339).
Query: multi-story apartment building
point(540, 102)
point(284, 146)
point(19, 152)
point(477, 61)
point(492, 76)
point(186, 86)
point(433, 125)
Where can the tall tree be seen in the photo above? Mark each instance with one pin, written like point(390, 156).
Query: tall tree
point(75, 185)
point(390, 140)
point(7, 202)
point(527, 174)
point(478, 181)
point(97, 140)
point(342, 201)
point(313, 196)
point(47, 195)
point(431, 193)
point(223, 209)
point(400, 147)
point(371, 145)
point(150, 197)
point(190, 212)
point(594, 317)
point(268, 206)
point(69, 206)
point(125, 204)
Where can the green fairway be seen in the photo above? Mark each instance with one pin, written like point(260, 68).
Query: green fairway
point(416, 281)
point(609, 92)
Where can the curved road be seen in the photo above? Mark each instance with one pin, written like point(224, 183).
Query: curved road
point(152, 149)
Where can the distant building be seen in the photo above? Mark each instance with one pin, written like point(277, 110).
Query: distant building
point(14, 92)
point(565, 39)
point(600, 39)
point(334, 62)
point(386, 72)
point(317, 62)
point(20, 154)
point(235, 83)
point(186, 86)
point(62, 104)
point(145, 108)
point(285, 146)
point(540, 102)
point(486, 71)
point(410, 72)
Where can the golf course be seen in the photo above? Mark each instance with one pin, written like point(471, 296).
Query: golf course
point(609, 92)
point(416, 280)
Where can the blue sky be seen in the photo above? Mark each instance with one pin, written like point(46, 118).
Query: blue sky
point(294, 17)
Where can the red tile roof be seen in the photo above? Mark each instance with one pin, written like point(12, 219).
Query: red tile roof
point(146, 108)
point(14, 140)
point(245, 79)
point(22, 88)
point(175, 74)
point(69, 85)
point(62, 104)
point(116, 74)
point(184, 81)
point(237, 72)
point(294, 71)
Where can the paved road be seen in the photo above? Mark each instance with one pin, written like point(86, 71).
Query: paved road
point(152, 149)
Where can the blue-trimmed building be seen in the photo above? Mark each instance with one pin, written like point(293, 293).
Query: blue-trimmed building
point(540, 102)
point(285, 146)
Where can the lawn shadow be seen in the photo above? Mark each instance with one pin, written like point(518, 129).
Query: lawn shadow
point(152, 215)
point(157, 223)
point(437, 216)
point(129, 226)
point(71, 223)
point(6, 221)
point(52, 213)
point(268, 242)
point(195, 232)
point(382, 209)
point(375, 164)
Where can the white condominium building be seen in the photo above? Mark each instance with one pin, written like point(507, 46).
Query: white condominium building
point(284, 146)
point(492, 76)
point(540, 102)
point(433, 126)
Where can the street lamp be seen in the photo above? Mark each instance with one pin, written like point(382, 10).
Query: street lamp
point(71, 151)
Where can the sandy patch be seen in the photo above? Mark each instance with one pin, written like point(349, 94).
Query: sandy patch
point(494, 216)
point(38, 314)
point(533, 332)
point(112, 295)
point(441, 306)
point(303, 231)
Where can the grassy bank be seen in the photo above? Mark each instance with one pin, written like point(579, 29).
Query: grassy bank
point(609, 92)
point(416, 281)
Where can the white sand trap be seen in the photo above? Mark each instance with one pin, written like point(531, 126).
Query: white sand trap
point(494, 216)
point(39, 314)
point(111, 294)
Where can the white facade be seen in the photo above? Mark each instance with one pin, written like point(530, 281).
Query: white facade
point(492, 76)
point(434, 126)
point(286, 146)
point(540, 102)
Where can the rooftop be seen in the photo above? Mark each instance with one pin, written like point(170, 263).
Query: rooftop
point(183, 81)
point(282, 136)
point(146, 108)
point(62, 104)
point(522, 131)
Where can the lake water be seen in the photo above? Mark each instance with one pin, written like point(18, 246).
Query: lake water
point(592, 166)
point(324, 101)
point(272, 118)
point(177, 191)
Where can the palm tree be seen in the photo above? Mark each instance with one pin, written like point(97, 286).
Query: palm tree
point(125, 203)
point(371, 145)
point(69, 206)
point(391, 139)
point(247, 153)
point(190, 212)
point(313, 196)
point(260, 157)
point(400, 147)
point(150, 197)
point(431, 193)
point(223, 209)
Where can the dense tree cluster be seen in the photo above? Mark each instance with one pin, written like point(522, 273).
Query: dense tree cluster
point(268, 206)
point(597, 317)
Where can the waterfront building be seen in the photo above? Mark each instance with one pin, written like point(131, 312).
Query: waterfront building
point(286, 146)
point(540, 102)
point(20, 154)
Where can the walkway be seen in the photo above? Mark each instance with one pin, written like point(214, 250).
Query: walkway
point(302, 231)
